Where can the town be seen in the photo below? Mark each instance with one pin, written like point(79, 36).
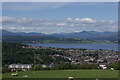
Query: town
point(103, 58)
point(49, 58)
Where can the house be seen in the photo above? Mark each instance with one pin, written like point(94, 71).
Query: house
point(100, 60)
point(44, 65)
point(20, 67)
point(51, 65)
point(103, 66)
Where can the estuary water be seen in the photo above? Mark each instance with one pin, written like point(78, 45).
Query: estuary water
point(105, 46)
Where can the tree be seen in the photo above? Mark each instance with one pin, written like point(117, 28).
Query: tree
point(116, 66)
point(5, 70)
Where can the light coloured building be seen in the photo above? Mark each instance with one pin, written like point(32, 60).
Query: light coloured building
point(103, 66)
point(20, 67)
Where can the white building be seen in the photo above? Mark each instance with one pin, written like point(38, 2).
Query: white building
point(18, 67)
point(103, 66)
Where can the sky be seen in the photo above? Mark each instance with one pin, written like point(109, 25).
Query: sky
point(60, 0)
point(59, 17)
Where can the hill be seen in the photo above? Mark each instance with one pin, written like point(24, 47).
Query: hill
point(91, 35)
point(29, 39)
point(8, 33)
point(85, 36)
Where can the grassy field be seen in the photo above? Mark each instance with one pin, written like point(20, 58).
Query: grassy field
point(66, 74)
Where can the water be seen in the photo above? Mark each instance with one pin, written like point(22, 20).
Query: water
point(110, 46)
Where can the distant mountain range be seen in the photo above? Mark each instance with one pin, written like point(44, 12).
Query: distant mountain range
point(91, 35)
point(8, 36)
point(8, 33)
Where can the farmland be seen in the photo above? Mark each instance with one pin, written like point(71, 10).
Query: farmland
point(65, 74)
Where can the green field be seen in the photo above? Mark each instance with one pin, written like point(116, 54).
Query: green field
point(66, 74)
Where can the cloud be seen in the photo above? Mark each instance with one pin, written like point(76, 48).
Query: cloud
point(88, 20)
point(84, 20)
point(0, 27)
point(77, 19)
point(60, 24)
point(49, 26)
point(5, 18)
point(78, 31)
point(102, 21)
point(24, 21)
point(69, 19)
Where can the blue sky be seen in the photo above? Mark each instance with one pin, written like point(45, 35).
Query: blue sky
point(64, 17)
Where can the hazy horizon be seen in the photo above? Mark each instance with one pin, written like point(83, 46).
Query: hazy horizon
point(58, 33)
